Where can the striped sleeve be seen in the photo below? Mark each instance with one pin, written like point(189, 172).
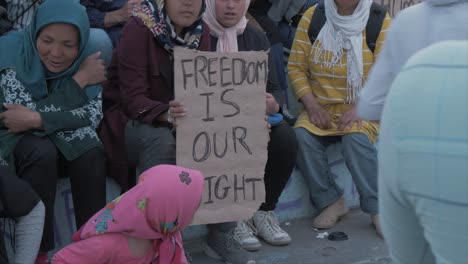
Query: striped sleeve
point(21, 12)
point(298, 64)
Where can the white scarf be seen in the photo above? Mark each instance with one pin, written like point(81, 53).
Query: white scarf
point(344, 33)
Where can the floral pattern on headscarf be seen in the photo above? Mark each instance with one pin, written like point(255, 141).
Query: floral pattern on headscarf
point(153, 15)
point(157, 208)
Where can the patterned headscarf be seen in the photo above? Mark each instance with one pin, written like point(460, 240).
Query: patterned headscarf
point(153, 14)
point(157, 208)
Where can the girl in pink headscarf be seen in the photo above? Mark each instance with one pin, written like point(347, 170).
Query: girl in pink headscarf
point(143, 225)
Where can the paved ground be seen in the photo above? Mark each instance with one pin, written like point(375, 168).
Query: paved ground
point(362, 247)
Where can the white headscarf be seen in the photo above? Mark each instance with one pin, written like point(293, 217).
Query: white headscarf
point(227, 37)
point(344, 33)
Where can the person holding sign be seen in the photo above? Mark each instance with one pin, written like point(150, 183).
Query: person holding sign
point(142, 225)
point(327, 73)
point(135, 128)
point(230, 33)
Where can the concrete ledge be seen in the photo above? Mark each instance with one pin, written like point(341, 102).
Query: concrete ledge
point(294, 203)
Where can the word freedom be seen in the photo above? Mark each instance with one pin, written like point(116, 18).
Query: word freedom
point(230, 71)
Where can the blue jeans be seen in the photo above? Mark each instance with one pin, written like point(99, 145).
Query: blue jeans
point(102, 42)
point(360, 157)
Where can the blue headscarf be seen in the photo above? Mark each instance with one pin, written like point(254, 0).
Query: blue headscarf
point(18, 49)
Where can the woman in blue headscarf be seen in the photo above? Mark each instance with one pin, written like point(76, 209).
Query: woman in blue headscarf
point(51, 106)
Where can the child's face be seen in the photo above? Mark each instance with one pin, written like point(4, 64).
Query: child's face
point(229, 12)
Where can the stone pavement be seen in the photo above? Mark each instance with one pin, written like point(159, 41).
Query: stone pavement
point(362, 247)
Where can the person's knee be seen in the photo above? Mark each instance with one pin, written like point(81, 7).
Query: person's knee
point(352, 141)
point(94, 155)
point(41, 150)
point(102, 42)
point(158, 146)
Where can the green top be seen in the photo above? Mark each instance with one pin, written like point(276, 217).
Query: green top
point(69, 114)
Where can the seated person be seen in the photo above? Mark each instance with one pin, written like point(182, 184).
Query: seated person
point(135, 130)
point(142, 225)
point(231, 33)
point(21, 12)
point(327, 76)
point(51, 108)
point(110, 16)
point(140, 91)
point(19, 203)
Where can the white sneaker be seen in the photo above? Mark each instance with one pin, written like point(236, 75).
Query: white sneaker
point(269, 229)
point(244, 234)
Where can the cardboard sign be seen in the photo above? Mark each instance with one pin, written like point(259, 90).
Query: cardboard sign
point(394, 6)
point(224, 134)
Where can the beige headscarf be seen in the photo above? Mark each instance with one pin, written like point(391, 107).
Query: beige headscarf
point(227, 37)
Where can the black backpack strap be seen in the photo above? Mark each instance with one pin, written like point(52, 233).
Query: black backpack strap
point(317, 21)
point(374, 24)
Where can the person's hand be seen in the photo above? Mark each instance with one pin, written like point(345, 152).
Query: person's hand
point(319, 116)
point(272, 107)
point(176, 110)
point(18, 118)
point(268, 124)
point(348, 119)
point(126, 10)
point(92, 71)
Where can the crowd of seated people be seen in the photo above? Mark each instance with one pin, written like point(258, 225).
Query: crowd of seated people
point(80, 98)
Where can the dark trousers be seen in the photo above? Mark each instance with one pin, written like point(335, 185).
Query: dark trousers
point(3, 253)
point(39, 163)
point(282, 152)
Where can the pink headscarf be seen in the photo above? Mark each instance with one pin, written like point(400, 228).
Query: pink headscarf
point(227, 37)
point(157, 208)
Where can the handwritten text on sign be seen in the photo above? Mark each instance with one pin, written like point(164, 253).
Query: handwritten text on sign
point(224, 134)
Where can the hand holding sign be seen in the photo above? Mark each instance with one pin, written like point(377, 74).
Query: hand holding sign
point(176, 110)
